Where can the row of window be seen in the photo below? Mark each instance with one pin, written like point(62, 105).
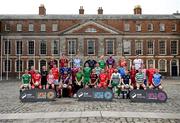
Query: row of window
point(19, 67)
point(150, 27)
point(19, 27)
point(91, 49)
point(150, 47)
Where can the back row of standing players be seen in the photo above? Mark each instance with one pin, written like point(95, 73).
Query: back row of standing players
point(101, 74)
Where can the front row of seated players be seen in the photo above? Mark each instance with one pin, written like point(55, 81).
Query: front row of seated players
point(96, 78)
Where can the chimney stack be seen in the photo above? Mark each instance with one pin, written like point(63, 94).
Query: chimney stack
point(81, 10)
point(137, 10)
point(100, 10)
point(42, 10)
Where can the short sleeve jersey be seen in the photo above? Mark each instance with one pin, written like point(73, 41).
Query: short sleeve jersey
point(139, 77)
point(55, 72)
point(137, 63)
point(26, 78)
point(126, 79)
point(37, 77)
point(102, 64)
point(102, 77)
point(115, 77)
point(157, 79)
point(79, 76)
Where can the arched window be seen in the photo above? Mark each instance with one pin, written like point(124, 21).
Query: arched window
point(19, 66)
point(174, 63)
point(162, 65)
point(7, 65)
point(30, 64)
point(150, 61)
point(42, 63)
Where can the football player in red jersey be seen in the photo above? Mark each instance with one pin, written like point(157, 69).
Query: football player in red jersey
point(55, 73)
point(150, 73)
point(122, 62)
point(50, 80)
point(133, 75)
point(52, 62)
point(63, 60)
point(36, 80)
point(110, 71)
point(93, 79)
point(32, 72)
point(103, 78)
point(74, 71)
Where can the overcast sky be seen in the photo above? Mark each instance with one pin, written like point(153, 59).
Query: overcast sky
point(90, 6)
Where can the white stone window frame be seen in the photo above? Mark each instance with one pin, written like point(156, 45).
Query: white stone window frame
point(174, 25)
point(177, 62)
point(7, 27)
point(162, 27)
point(176, 45)
point(160, 48)
point(165, 65)
point(31, 27)
point(39, 63)
point(54, 27)
point(75, 46)
point(126, 27)
point(127, 40)
point(151, 27)
point(4, 66)
point(19, 27)
point(94, 46)
point(138, 46)
point(8, 47)
point(106, 45)
point(147, 65)
point(17, 49)
point(28, 47)
point(28, 63)
point(149, 48)
point(16, 65)
point(43, 27)
point(138, 27)
point(52, 46)
point(42, 41)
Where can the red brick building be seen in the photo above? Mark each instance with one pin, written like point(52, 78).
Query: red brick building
point(28, 40)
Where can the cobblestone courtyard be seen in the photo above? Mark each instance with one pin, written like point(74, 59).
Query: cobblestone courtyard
point(10, 104)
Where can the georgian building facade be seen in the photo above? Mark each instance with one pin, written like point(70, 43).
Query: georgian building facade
point(28, 40)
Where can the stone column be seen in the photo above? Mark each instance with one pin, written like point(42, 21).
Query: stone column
point(119, 46)
point(62, 43)
point(100, 46)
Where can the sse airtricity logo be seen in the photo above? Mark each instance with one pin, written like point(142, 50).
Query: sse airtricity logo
point(108, 95)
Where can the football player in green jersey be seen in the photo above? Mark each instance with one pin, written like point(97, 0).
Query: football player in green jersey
point(87, 72)
point(140, 79)
point(26, 79)
point(102, 63)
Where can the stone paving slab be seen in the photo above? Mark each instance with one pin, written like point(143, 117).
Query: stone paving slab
point(104, 114)
point(124, 110)
point(94, 120)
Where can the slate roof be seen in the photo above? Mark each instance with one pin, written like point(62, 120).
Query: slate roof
point(87, 17)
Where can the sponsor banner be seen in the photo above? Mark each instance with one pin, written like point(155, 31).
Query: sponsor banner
point(37, 95)
point(95, 94)
point(157, 96)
